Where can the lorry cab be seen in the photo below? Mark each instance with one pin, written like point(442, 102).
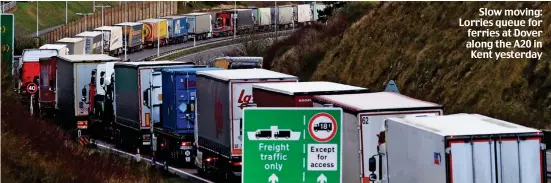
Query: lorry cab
point(30, 67)
point(238, 62)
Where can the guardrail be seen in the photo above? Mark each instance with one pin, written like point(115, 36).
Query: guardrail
point(8, 6)
point(228, 40)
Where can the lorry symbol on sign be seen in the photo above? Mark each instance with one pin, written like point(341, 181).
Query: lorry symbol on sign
point(325, 126)
point(277, 134)
point(263, 134)
point(322, 127)
point(283, 134)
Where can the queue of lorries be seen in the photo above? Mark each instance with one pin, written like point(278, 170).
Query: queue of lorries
point(191, 115)
point(113, 40)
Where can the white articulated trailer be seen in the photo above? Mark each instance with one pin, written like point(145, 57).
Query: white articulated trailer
point(363, 116)
point(461, 148)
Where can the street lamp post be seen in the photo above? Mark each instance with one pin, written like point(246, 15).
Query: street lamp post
point(234, 19)
point(125, 33)
point(102, 18)
point(159, 31)
point(66, 12)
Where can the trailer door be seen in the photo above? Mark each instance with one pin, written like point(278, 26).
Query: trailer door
point(156, 96)
point(472, 161)
point(519, 161)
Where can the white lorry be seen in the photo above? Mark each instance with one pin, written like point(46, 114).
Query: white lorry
point(112, 39)
point(459, 148)
point(363, 116)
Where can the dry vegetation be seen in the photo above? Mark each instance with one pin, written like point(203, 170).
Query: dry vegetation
point(38, 151)
point(421, 46)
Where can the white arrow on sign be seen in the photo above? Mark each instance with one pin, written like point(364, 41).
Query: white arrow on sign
point(273, 178)
point(322, 179)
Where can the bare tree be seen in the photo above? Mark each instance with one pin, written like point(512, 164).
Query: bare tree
point(202, 58)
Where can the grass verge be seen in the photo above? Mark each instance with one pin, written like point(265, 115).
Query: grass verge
point(51, 13)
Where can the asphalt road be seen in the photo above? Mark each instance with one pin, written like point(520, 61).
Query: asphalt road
point(147, 52)
point(211, 54)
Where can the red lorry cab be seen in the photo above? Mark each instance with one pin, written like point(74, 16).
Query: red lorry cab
point(47, 80)
point(298, 94)
point(30, 68)
point(223, 22)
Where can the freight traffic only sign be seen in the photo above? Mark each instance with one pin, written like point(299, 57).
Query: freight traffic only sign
point(6, 39)
point(292, 145)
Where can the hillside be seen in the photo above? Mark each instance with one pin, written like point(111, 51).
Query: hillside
point(421, 46)
point(52, 13)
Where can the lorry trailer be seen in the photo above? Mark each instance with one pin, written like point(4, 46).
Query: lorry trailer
point(133, 36)
point(303, 14)
point(282, 16)
point(221, 97)
point(93, 41)
point(75, 45)
point(177, 29)
point(199, 25)
point(298, 94)
point(46, 93)
point(364, 115)
point(238, 62)
point(61, 48)
point(155, 32)
point(263, 18)
point(460, 148)
point(133, 109)
point(174, 115)
point(75, 87)
point(112, 39)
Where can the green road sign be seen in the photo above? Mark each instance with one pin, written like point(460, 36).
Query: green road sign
point(292, 145)
point(6, 39)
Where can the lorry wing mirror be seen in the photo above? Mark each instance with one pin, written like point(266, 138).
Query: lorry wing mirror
point(83, 94)
point(101, 80)
point(372, 164)
point(102, 74)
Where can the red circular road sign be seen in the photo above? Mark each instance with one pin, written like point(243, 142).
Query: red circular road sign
point(322, 127)
point(31, 88)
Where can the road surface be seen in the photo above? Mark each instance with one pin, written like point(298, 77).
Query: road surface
point(147, 52)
